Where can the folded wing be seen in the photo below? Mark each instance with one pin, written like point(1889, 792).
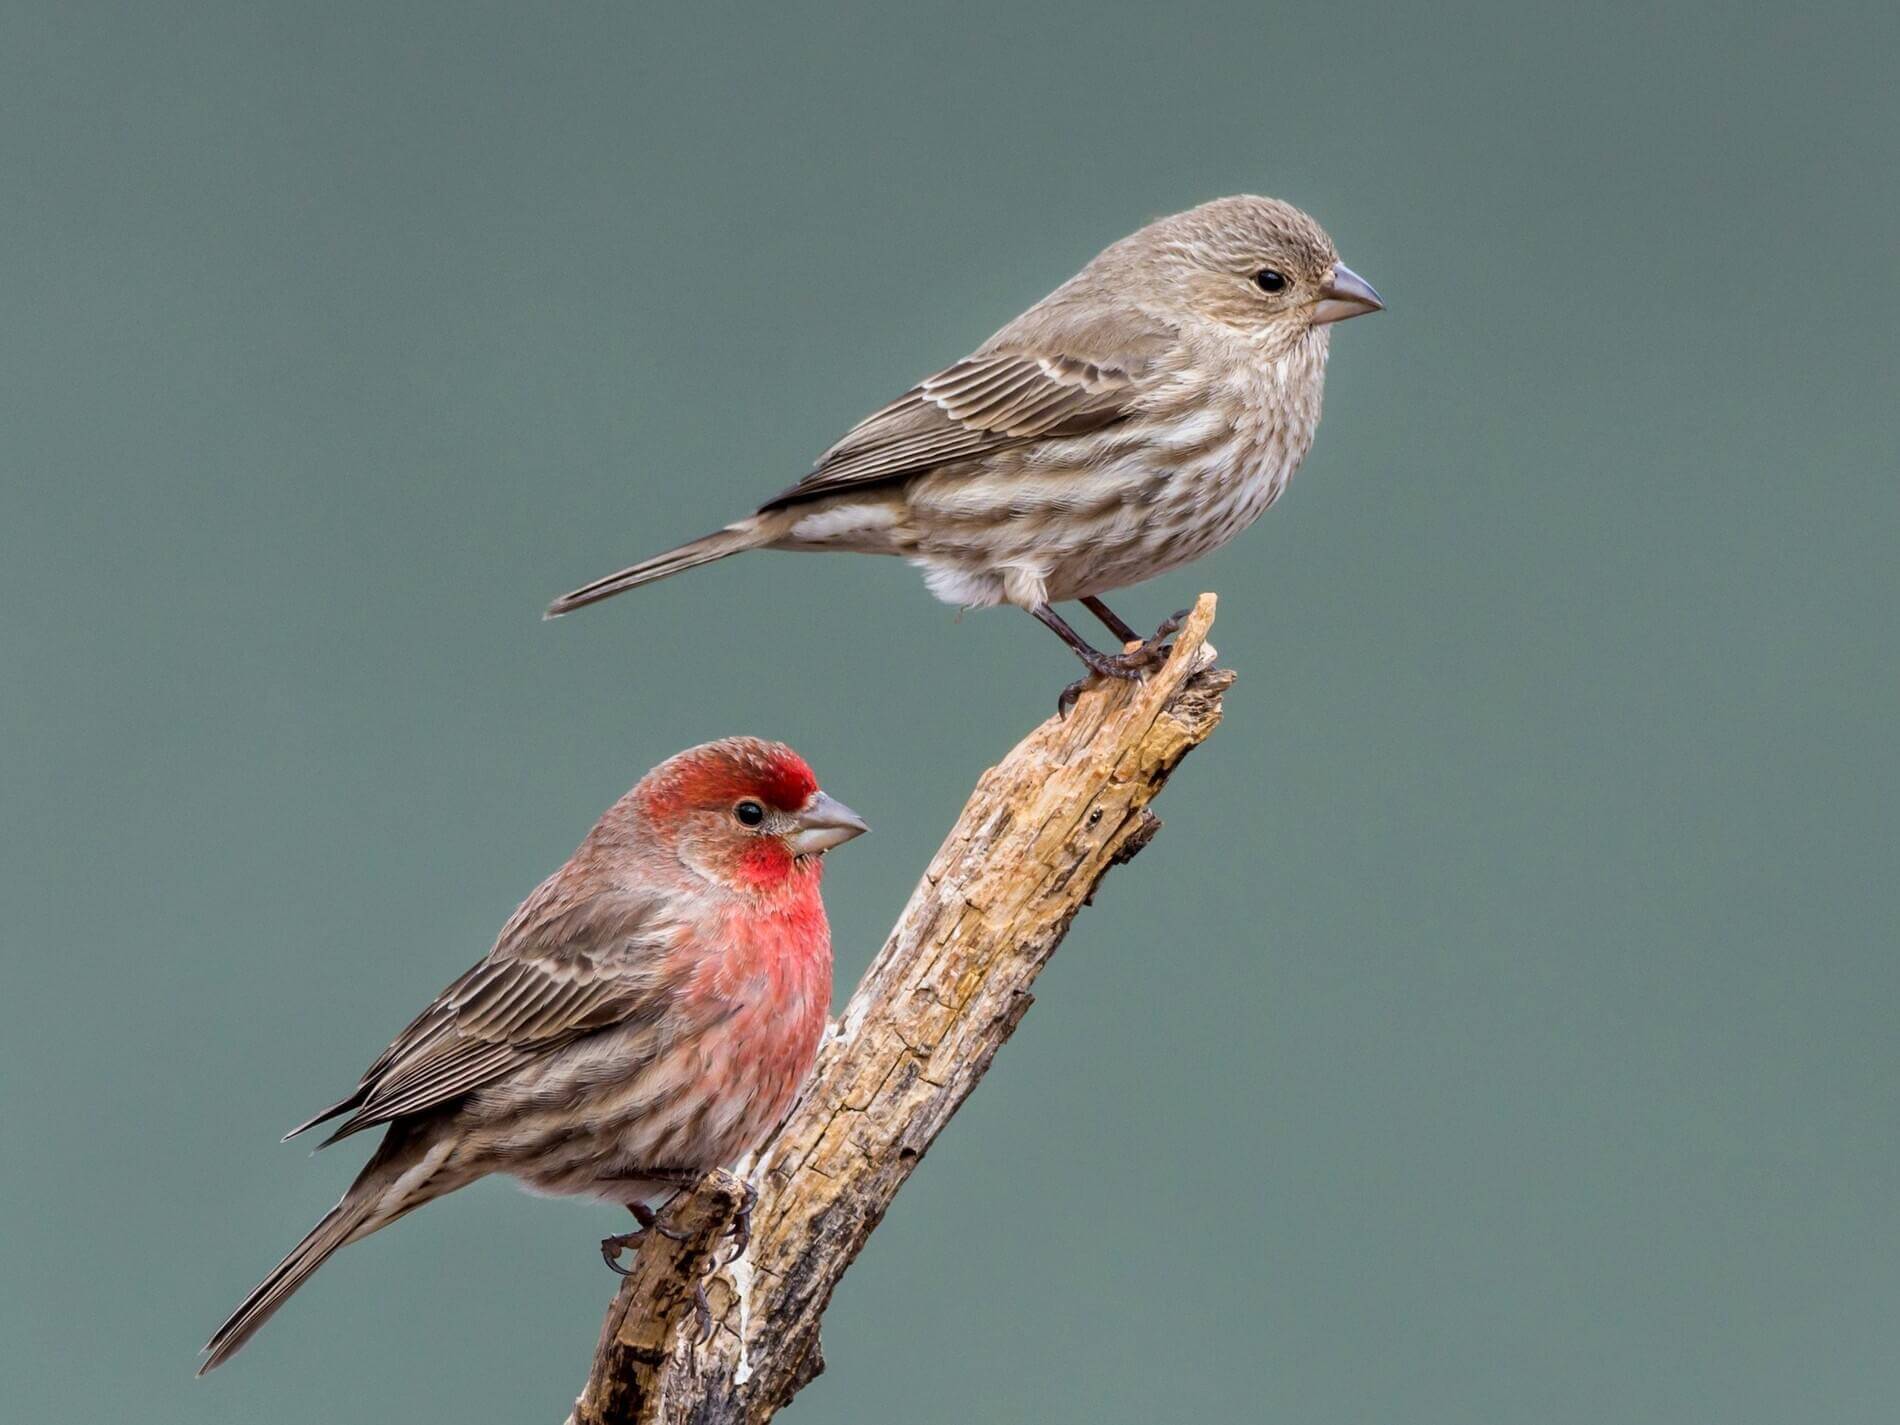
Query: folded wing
point(1059, 376)
point(527, 999)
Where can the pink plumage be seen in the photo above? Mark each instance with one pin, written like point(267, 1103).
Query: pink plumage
point(646, 1015)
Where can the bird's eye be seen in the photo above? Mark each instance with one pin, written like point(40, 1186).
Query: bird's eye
point(750, 813)
point(1267, 280)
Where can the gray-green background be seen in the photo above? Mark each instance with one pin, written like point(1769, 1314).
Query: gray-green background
point(1503, 1028)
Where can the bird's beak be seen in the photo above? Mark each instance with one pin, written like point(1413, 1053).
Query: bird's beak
point(1346, 294)
point(824, 823)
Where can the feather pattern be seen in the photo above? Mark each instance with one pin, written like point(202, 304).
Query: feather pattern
point(528, 998)
point(646, 1014)
point(1139, 416)
point(996, 399)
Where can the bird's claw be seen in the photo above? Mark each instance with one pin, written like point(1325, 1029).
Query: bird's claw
point(741, 1234)
point(702, 1314)
point(649, 1221)
point(1131, 664)
point(1170, 626)
point(612, 1247)
point(1158, 647)
point(741, 1229)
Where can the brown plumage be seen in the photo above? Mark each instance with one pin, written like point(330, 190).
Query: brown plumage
point(647, 1014)
point(1142, 414)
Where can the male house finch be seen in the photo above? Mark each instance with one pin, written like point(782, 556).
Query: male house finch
point(1142, 414)
point(645, 1016)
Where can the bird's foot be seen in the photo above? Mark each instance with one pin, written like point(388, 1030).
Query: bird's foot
point(741, 1234)
point(1155, 649)
point(649, 1221)
point(741, 1229)
point(612, 1247)
point(1131, 663)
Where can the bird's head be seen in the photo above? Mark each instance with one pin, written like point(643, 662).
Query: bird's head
point(746, 814)
point(1256, 265)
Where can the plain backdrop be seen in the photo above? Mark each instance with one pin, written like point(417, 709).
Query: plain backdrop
point(1501, 1030)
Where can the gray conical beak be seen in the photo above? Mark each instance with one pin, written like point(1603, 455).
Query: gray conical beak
point(824, 823)
point(1345, 294)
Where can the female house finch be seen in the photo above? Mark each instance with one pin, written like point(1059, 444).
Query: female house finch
point(645, 1016)
point(1142, 414)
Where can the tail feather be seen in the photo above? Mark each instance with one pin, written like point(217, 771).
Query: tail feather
point(751, 533)
point(338, 1226)
point(404, 1172)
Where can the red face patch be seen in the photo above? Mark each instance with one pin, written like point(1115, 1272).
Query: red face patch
point(765, 863)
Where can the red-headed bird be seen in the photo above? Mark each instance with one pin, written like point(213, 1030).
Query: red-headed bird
point(1139, 416)
point(645, 1016)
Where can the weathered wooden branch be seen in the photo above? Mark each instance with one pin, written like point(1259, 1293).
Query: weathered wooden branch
point(1040, 831)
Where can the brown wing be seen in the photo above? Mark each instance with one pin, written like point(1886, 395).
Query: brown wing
point(1047, 373)
point(510, 1009)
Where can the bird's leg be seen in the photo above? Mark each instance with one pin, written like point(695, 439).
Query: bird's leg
point(612, 1247)
point(1111, 620)
point(1105, 665)
point(1133, 664)
point(1154, 650)
point(649, 1221)
point(1151, 651)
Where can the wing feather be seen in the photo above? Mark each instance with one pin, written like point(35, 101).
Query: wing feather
point(1051, 372)
point(526, 1000)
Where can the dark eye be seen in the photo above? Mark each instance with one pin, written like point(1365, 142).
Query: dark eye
point(750, 813)
point(1267, 280)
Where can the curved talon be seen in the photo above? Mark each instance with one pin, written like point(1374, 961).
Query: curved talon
point(702, 1313)
point(741, 1229)
point(612, 1247)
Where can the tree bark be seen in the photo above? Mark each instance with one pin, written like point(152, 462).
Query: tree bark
point(949, 987)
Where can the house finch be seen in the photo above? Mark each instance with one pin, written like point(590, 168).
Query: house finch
point(645, 1016)
point(1142, 414)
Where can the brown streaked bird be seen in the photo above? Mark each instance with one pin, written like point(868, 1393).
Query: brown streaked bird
point(646, 1015)
point(1139, 416)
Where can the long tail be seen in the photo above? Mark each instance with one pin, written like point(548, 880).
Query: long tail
point(332, 1232)
point(753, 532)
point(364, 1209)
